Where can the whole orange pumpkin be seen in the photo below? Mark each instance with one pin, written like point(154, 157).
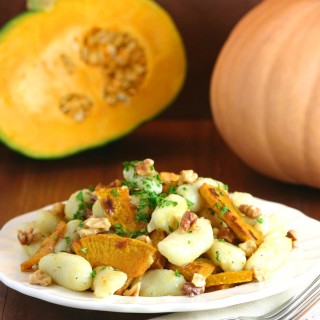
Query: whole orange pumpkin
point(265, 90)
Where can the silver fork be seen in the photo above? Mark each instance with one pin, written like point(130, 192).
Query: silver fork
point(293, 307)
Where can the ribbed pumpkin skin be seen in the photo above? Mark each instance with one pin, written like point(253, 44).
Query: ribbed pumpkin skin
point(265, 90)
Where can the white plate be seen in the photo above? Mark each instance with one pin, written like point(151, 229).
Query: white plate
point(303, 265)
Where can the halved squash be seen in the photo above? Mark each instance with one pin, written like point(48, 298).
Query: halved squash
point(85, 72)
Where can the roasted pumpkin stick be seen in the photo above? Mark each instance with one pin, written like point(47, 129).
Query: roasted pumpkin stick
point(47, 246)
point(229, 277)
point(219, 201)
point(201, 266)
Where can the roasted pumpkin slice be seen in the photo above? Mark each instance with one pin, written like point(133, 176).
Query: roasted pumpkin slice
point(83, 73)
point(119, 209)
point(131, 256)
point(156, 236)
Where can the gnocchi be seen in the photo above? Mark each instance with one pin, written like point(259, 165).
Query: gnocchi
point(76, 204)
point(181, 248)
point(161, 282)
point(68, 270)
point(227, 256)
point(70, 235)
point(177, 222)
point(269, 257)
point(167, 216)
point(106, 281)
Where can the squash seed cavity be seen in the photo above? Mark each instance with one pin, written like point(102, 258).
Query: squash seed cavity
point(122, 59)
point(76, 106)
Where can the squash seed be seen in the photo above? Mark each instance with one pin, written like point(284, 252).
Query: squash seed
point(122, 59)
point(76, 106)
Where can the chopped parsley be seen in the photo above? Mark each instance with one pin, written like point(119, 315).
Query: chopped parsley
point(260, 220)
point(172, 190)
point(129, 184)
point(84, 250)
point(166, 203)
point(218, 255)
point(82, 206)
point(93, 274)
point(224, 210)
point(120, 231)
point(137, 233)
point(189, 203)
point(177, 273)
point(68, 241)
point(129, 164)
point(114, 192)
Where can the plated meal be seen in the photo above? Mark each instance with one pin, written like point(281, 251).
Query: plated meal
point(154, 234)
point(169, 244)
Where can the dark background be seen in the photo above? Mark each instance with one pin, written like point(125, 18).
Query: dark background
point(204, 26)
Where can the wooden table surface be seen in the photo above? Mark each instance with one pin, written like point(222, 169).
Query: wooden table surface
point(183, 137)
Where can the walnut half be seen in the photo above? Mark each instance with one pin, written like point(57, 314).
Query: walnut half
point(40, 278)
point(27, 236)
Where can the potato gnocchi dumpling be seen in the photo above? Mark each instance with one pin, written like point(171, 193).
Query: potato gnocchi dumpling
point(227, 256)
point(182, 247)
point(157, 283)
point(269, 257)
point(77, 203)
point(47, 221)
point(71, 234)
point(68, 270)
point(168, 234)
point(168, 214)
point(106, 281)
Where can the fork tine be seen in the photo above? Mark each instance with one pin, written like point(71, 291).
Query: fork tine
point(294, 301)
point(309, 302)
point(302, 301)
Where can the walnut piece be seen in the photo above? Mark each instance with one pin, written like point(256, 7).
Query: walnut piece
point(187, 220)
point(191, 290)
point(134, 290)
point(167, 177)
point(145, 168)
point(28, 236)
point(198, 280)
point(227, 234)
point(94, 225)
point(249, 247)
point(145, 239)
point(250, 211)
point(40, 278)
point(187, 176)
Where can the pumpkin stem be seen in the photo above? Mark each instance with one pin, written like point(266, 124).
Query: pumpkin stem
point(40, 5)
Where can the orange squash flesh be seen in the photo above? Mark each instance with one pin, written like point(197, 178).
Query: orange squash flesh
point(131, 256)
point(46, 72)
